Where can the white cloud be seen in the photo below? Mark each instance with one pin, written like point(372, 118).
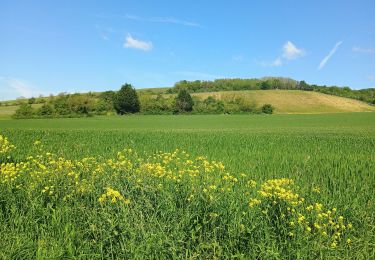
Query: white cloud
point(237, 58)
point(131, 42)
point(105, 37)
point(364, 50)
point(162, 20)
point(326, 58)
point(371, 77)
point(291, 52)
point(275, 63)
point(12, 88)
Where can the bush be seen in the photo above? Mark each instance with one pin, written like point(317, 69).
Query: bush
point(126, 100)
point(267, 109)
point(81, 104)
point(24, 111)
point(46, 110)
point(31, 100)
point(158, 105)
point(183, 102)
point(102, 107)
point(61, 105)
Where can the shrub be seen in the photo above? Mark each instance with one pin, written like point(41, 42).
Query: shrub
point(31, 100)
point(24, 111)
point(126, 100)
point(61, 105)
point(267, 109)
point(183, 102)
point(158, 105)
point(212, 105)
point(81, 104)
point(102, 107)
point(45, 110)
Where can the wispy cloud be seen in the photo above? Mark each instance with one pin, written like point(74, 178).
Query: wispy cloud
point(291, 52)
point(275, 63)
point(364, 50)
point(371, 77)
point(131, 42)
point(171, 20)
point(105, 37)
point(330, 54)
point(11, 88)
point(237, 58)
point(194, 75)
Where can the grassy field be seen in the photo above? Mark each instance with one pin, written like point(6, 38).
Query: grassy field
point(239, 200)
point(296, 101)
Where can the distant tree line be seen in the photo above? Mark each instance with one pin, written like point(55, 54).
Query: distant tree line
point(68, 105)
point(128, 101)
point(366, 95)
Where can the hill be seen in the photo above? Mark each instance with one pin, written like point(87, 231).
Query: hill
point(295, 101)
point(285, 101)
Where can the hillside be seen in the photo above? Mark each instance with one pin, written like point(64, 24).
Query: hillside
point(296, 101)
point(285, 101)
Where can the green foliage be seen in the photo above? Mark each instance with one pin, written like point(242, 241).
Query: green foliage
point(31, 100)
point(267, 109)
point(61, 105)
point(183, 102)
point(24, 111)
point(234, 84)
point(108, 96)
point(126, 100)
point(208, 106)
point(46, 110)
point(156, 105)
point(103, 107)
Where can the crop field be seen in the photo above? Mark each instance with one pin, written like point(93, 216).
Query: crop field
point(207, 186)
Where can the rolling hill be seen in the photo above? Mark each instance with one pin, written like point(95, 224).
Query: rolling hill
point(285, 101)
point(296, 101)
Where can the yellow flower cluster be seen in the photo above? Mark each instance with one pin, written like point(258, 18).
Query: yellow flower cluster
point(9, 171)
point(112, 196)
point(280, 190)
point(254, 202)
point(311, 219)
point(5, 145)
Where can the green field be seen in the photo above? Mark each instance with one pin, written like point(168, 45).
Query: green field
point(330, 158)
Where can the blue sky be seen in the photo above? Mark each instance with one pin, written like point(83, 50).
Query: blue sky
point(77, 46)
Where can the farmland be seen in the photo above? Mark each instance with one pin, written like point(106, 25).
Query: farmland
point(221, 198)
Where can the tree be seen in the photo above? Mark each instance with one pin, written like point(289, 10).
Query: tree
point(265, 85)
point(304, 86)
point(267, 109)
point(183, 102)
point(45, 110)
point(24, 111)
point(126, 100)
point(31, 100)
